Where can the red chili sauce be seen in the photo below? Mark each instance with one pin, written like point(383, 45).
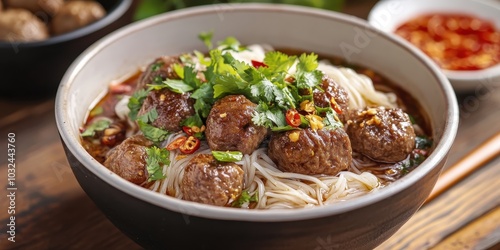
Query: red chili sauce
point(454, 41)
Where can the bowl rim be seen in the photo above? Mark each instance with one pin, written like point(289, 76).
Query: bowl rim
point(274, 215)
point(116, 12)
point(462, 80)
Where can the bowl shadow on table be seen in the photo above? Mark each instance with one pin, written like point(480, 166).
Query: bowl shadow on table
point(34, 69)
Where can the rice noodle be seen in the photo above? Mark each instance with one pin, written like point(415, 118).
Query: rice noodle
point(275, 188)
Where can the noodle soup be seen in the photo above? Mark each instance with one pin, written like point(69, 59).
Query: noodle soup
point(251, 127)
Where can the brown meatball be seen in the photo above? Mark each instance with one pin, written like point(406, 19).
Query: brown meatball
point(384, 135)
point(76, 14)
point(21, 25)
point(332, 89)
point(161, 67)
point(230, 127)
point(172, 108)
point(209, 181)
point(49, 7)
point(128, 159)
point(323, 151)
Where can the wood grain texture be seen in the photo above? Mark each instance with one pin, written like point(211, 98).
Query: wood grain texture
point(52, 211)
point(454, 209)
point(464, 167)
point(482, 233)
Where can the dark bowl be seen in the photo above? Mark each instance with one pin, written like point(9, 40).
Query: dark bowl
point(30, 69)
point(157, 221)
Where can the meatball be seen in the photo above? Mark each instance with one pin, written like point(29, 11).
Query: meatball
point(230, 127)
point(49, 7)
point(172, 108)
point(21, 25)
point(308, 151)
point(209, 181)
point(76, 14)
point(161, 67)
point(384, 135)
point(332, 90)
point(128, 159)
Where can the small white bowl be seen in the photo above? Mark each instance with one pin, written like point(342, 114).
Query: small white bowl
point(387, 15)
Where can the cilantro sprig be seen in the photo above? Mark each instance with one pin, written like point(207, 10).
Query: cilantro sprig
point(284, 82)
point(135, 103)
point(245, 198)
point(156, 159)
point(97, 125)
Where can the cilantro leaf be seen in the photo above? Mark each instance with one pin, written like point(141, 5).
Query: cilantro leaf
point(135, 103)
point(264, 90)
point(149, 116)
point(422, 142)
point(179, 70)
point(277, 64)
point(268, 116)
point(225, 77)
point(245, 198)
point(98, 125)
point(177, 86)
point(194, 120)
point(190, 77)
point(151, 132)
point(201, 58)
point(206, 38)
point(156, 159)
point(331, 120)
point(156, 66)
point(231, 43)
point(307, 76)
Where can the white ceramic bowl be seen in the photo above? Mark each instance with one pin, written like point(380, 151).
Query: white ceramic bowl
point(387, 15)
point(158, 221)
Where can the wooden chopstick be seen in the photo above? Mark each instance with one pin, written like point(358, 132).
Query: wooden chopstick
point(465, 166)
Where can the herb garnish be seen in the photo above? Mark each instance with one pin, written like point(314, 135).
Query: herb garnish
point(284, 83)
point(157, 66)
point(151, 132)
point(98, 125)
point(245, 198)
point(135, 103)
point(228, 156)
point(422, 142)
point(156, 159)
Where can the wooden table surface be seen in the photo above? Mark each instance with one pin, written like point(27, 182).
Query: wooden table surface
point(53, 212)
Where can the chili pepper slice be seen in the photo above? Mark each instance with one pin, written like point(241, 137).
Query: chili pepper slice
point(258, 64)
point(176, 143)
point(335, 106)
point(190, 145)
point(187, 130)
point(292, 117)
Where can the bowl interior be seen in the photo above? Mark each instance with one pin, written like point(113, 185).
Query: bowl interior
point(306, 29)
point(389, 14)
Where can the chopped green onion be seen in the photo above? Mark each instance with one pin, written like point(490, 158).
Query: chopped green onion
point(228, 156)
